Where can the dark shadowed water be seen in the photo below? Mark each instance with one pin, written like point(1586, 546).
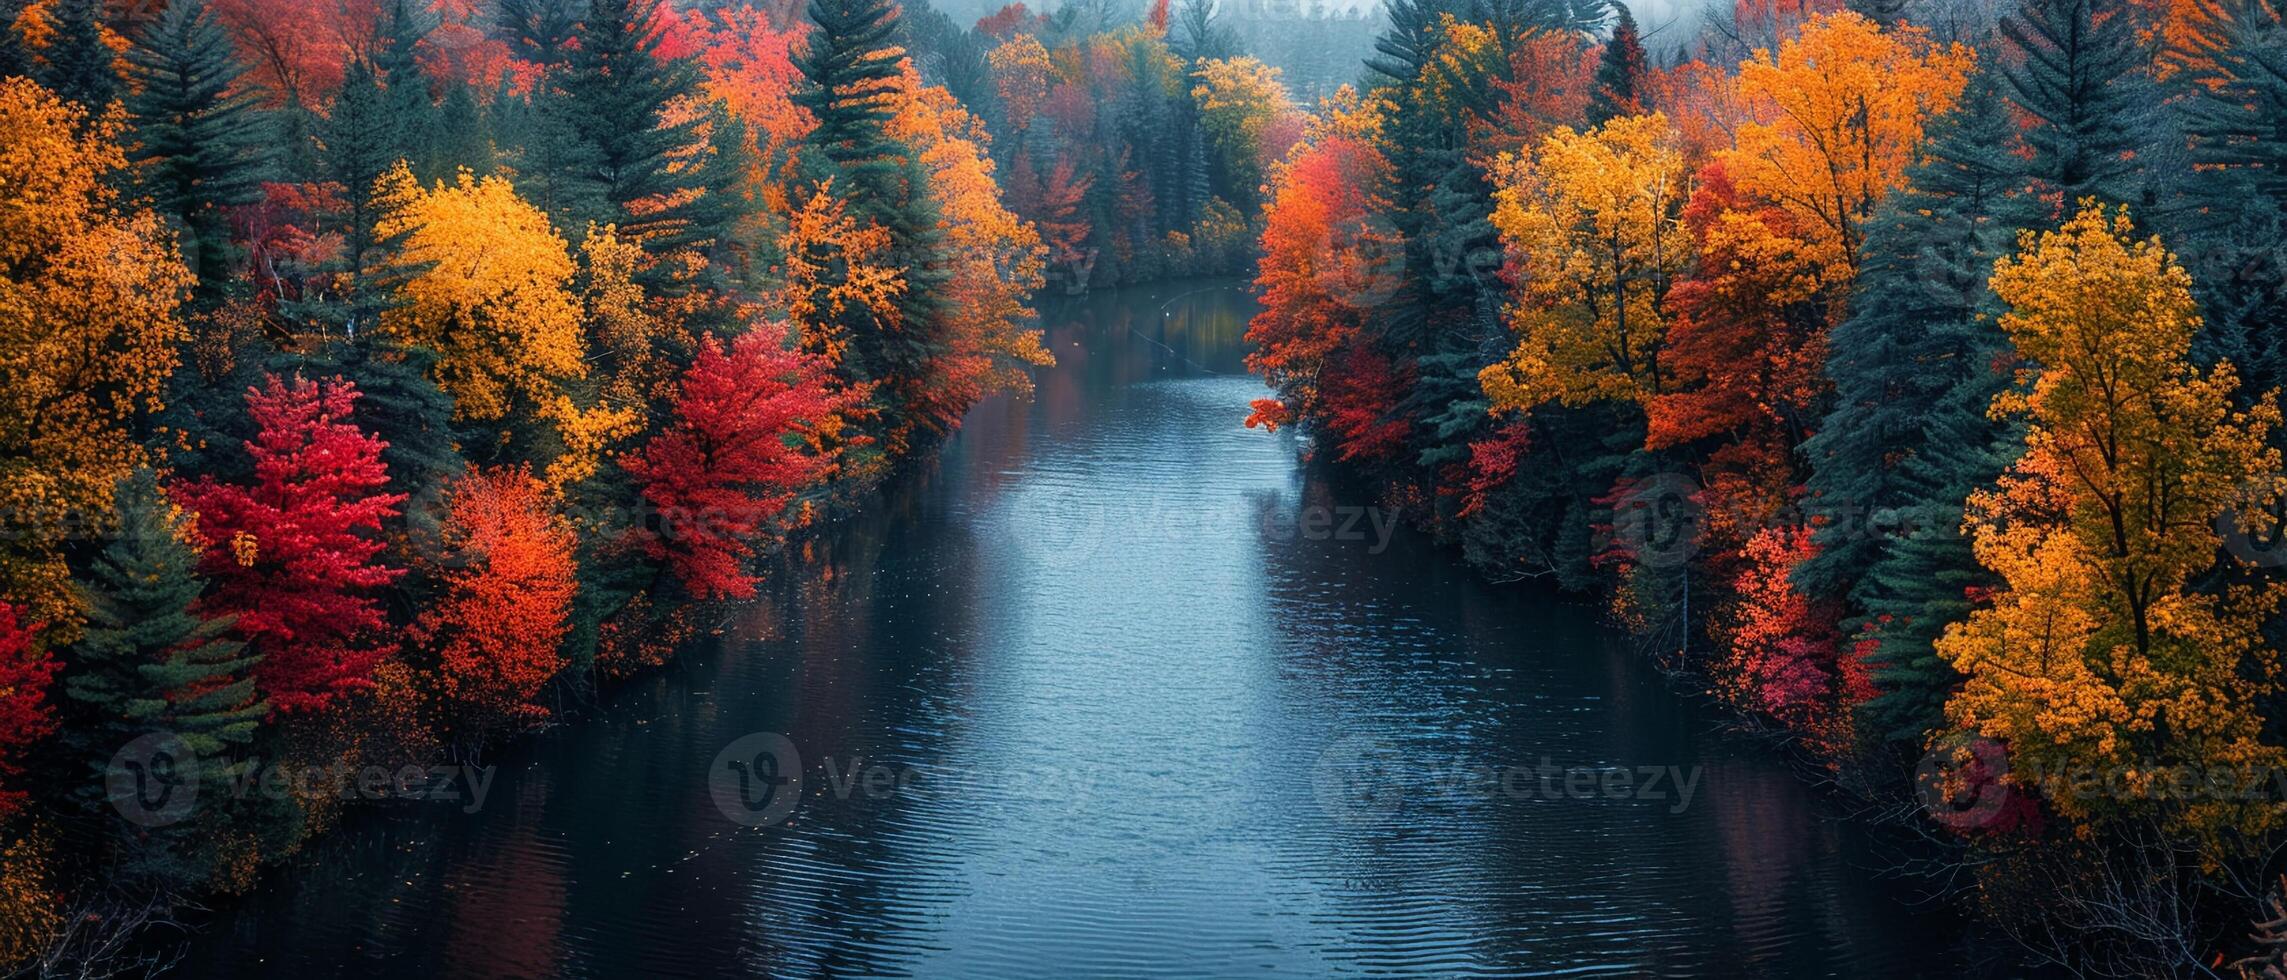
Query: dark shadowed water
point(1119, 689)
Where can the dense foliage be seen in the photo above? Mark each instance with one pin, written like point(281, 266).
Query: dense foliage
point(381, 377)
point(1845, 353)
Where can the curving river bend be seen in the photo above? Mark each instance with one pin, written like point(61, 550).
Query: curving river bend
point(1120, 688)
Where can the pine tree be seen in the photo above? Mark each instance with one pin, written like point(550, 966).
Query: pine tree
point(847, 65)
point(540, 30)
point(149, 663)
point(613, 104)
point(462, 139)
point(199, 139)
point(360, 145)
point(407, 111)
point(80, 67)
point(847, 70)
point(1620, 71)
point(1913, 370)
point(2076, 70)
point(2234, 213)
point(14, 60)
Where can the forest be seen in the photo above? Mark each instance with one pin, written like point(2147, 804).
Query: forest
point(385, 380)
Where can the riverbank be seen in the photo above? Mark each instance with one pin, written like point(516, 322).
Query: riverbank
point(1112, 671)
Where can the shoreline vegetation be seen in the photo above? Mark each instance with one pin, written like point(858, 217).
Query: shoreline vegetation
point(1905, 373)
point(381, 380)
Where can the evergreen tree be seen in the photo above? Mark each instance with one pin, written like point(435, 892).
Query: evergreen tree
point(1620, 71)
point(846, 70)
point(462, 138)
point(407, 111)
point(541, 31)
point(80, 67)
point(612, 106)
point(2076, 69)
point(360, 145)
point(846, 66)
point(2233, 220)
point(199, 143)
point(14, 60)
point(149, 663)
point(1199, 34)
point(1913, 371)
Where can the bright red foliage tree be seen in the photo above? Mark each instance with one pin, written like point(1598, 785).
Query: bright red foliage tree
point(733, 459)
point(1782, 656)
point(292, 556)
point(25, 714)
point(508, 588)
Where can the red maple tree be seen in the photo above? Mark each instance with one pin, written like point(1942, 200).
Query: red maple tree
point(292, 556)
point(733, 459)
point(25, 714)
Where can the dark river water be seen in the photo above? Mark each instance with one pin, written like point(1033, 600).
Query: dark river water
point(1118, 688)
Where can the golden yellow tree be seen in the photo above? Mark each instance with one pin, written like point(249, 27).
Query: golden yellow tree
point(488, 289)
point(88, 333)
point(2097, 657)
point(1594, 223)
point(1837, 116)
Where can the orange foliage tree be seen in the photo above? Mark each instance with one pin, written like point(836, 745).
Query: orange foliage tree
point(88, 334)
point(508, 578)
point(1836, 116)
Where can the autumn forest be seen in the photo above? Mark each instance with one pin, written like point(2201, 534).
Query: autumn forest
point(383, 382)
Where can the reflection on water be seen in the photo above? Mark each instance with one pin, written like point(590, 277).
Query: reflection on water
point(1120, 689)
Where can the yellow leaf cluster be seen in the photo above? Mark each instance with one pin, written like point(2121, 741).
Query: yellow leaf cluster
point(88, 333)
point(2099, 655)
point(1594, 224)
point(488, 290)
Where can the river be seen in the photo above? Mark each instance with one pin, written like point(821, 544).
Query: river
point(1117, 688)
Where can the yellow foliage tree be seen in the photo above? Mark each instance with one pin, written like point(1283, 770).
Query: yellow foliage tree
point(2110, 677)
point(488, 289)
point(1837, 116)
point(88, 334)
point(1594, 222)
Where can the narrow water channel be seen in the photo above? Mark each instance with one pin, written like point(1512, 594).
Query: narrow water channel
point(1119, 688)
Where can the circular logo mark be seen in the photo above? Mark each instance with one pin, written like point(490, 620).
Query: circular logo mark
point(2254, 526)
point(1658, 520)
point(1960, 782)
point(1359, 781)
point(153, 781)
point(757, 780)
point(1061, 530)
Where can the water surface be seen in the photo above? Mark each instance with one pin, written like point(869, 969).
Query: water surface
point(1120, 688)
